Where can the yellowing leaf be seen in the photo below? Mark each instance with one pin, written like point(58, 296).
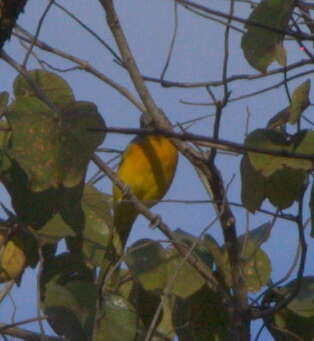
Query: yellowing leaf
point(281, 55)
point(12, 260)
point(299, 101)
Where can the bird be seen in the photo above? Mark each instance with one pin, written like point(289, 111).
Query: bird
point(147, 167)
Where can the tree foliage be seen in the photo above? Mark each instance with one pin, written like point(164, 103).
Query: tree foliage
point(191, 287)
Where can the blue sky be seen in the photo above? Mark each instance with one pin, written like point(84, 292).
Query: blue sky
point(198, 56)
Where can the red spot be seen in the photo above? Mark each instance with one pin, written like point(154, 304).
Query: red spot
point(301, 48)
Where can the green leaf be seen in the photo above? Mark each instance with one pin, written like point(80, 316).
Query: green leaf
point(53, 152)
point(292, 113)
point(68, 296)
point(201, 317)
point(70, 206)
point(299, 101)
point(272, 140)
point(78, 142)
point(280, 119)
point(97, 229)
point(285, 186)
point(32, 208)
point(146, 303)
point(201, 250)
point(298, 317)
point(54, 87)
point(213, 248)
point(258, 235)
point(146, 261)
point(253, 186)
point(256, 266)
point(4, 100)
point(54, 230)
point(303, 303)
point(117, 320)
point(5, 134)
point(34, 142)
point(184, 278)
point(259, 44)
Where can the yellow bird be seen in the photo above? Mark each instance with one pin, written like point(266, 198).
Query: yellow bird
point(147, 166)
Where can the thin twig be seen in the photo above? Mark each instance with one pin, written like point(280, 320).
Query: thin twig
point(173, 40)
point(206, 142)
point(39, 26)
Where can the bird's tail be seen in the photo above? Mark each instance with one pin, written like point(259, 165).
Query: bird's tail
point(124, 218)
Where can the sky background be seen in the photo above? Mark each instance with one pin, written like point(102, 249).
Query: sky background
point(198, 56)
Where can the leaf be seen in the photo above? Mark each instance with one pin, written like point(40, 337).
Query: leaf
point(145, 303)
point(117, 320)
point(280, 119)
point(54, 230)
point(260, 45)
point(77, 141)
point(184, 278)
point(54, 87)
point(298, 317)
point(12, 259)
point(201, 249)
point(68, 296)
point(281, 55)
point(292, 113)
point(97, 229)
point(70, 206)
point(32, 208)
point(272, 140)
point(4, 100)
point(146, 261)
point(58, 150)
point(299, 101)
point(196, 320)
point(253, 186)
point(258, 235)
point(285, 186)
point(34, 142)
point(256, 266)
point(5, 135)
point(303, 303)
point(213, 248)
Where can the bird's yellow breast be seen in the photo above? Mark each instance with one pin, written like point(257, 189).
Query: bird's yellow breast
point(147, 167)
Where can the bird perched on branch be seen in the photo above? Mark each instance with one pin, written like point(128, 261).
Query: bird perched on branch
point(147, 167)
